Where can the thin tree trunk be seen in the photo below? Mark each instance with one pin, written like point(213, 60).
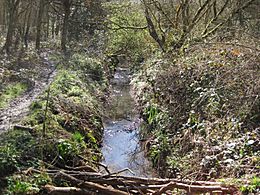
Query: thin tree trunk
point(39, 25)
point(57, 27)
point(52, 28)
point(48, 23)
point(64, 36)
point(27, 29)
point(9, 36)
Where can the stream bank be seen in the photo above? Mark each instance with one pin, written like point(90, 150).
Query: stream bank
point(63, 127)
point(201, 113)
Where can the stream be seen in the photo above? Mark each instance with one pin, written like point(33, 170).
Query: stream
point(121, 148)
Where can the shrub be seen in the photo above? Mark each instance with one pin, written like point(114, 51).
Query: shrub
point(204, 101)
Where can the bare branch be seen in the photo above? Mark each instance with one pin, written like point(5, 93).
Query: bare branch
point(216, 16)
point(230, 16)
point(126, 27)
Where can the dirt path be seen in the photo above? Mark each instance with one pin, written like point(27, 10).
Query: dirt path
point(19, 107)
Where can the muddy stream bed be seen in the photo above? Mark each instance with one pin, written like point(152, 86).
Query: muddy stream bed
point(121, 148)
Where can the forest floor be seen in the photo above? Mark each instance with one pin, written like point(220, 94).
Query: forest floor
point(18, 108)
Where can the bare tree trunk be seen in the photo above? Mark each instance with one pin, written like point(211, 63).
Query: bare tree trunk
point(152, 30)
point(9, 36)
point(53, 28)
point(64, 36)
point(27, 29)
point(39, 25)
point(240, 13)
point(185, 15)
point(2, 11)
point(57, 27)
point(13, 6)
point(48, 23)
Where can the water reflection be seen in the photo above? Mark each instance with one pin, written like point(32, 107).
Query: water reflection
point(121, 147)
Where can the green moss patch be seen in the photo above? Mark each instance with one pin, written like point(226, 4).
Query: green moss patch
point(10, 92)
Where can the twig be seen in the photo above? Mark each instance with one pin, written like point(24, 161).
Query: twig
point(121, 171)
point(82, 168)
point(102, 165)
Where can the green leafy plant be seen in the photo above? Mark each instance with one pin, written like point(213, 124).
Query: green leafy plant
point(8, 159)
point(23, 184)
point(66, 149)
point(252, 186)
point(19, 187)
point(78, 137)
point(151, 112)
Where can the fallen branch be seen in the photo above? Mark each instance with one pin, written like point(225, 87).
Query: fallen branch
point(195, 189)
point(118, 172)
point(113, 184)
point(82, 168)
point(91, 185)
point(23, 128)
point(52, 190)
point(104, 166)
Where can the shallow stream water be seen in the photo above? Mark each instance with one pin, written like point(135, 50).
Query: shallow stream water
point(121, 148)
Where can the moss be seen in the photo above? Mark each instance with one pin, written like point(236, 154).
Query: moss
point(10, 92)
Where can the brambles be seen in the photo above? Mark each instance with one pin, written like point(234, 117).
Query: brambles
point(204, 105)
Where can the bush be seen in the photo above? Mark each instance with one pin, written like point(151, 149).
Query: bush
point(202, 102)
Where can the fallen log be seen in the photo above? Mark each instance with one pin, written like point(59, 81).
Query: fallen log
point(158, 181)
point(93, 176)
point(196, 189)
point(70, 172)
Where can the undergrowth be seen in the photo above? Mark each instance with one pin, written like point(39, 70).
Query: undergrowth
point(64, 128)
point(201, 112)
